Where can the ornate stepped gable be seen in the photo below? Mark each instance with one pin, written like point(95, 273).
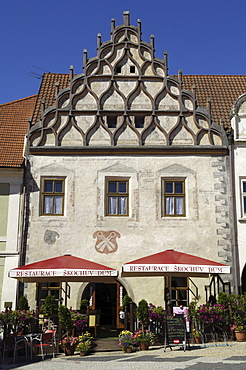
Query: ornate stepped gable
point(125, 98)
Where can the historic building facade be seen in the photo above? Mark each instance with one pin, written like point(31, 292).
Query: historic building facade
point(13, 126)
point(238, 123)
point(125, 164)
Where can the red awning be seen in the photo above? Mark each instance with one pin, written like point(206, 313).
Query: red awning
point(63, 268)
point(171, 262)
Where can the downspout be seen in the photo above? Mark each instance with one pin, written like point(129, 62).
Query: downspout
point(233, 214)
point(24, 221)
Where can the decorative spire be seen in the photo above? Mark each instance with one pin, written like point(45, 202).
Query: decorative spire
point(112, 27)
point(71, 73)
point(166, 59)
point(140, 28)
point(85, 58)
point(152, 40)
point(126, 18)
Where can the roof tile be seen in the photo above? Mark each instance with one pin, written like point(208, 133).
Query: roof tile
point(13, 128)
point(223, 90)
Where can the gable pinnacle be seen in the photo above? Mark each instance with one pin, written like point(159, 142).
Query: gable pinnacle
point(126, 18)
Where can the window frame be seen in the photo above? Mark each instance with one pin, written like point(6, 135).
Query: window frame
point(117, 194)
point(174, 195)
point(48, 289)
point(52, 194)
point(243, 197)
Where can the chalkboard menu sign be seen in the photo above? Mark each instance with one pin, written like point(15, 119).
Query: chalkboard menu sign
point(175, 333)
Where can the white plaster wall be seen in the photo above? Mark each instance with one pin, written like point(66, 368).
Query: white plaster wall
point(240, 173)
point(144, 232)
point(14, 178)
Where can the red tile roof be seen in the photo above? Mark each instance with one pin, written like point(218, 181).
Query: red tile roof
point(13, 127)
point(222, 90)
point(47, 91)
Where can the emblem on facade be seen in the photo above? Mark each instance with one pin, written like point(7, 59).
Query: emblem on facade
point(106, 241)
point(50, 236)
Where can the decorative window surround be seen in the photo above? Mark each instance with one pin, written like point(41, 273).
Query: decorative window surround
point(53, 190)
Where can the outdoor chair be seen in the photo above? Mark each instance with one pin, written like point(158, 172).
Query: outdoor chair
point(53, 335)
point(44, 341)
point(12, 343)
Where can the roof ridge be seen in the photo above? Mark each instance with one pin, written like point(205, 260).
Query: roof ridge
point(18, 100)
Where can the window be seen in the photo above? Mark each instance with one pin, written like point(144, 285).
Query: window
point(139, 122)
point(243, 192)
point(52, 196)
point(177, 290)
point(174, 198)
point(45, 289)
point(117, 197)
point(118, 69)
point(111, 121)
point(132, 69)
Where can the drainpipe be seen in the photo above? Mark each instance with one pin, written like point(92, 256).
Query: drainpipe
point(234, 214)
point(24, 219)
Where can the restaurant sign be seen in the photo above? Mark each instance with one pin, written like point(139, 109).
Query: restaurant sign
point(60, 273)
point(206, 269)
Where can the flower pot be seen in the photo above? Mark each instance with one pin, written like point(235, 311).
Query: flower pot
point(127, 349)
point(83, 353)
point(240, 335)
point(143, 346)
point(69, 350)
point(198, 340)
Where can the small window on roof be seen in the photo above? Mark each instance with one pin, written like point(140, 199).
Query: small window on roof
point(139, 122)
point(111, 121)
point(132, 69)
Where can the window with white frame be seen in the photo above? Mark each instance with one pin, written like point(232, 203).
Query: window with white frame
point(173, 197)
point(243, 195)
point(53, 196)
point(117, 197)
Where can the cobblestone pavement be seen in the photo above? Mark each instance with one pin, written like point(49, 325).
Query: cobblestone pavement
point(218, 357)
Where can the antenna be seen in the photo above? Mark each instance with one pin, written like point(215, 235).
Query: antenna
point(37, 74)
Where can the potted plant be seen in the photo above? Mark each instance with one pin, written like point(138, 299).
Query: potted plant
point(65, 319)
point(83, 305)
point(49, 308)
point(126, 301)
point(84, 347)
point(69, 344)
point(143, 317)
point(126, 341)
point(84, 343)
point(78, 321)
point(240, 333)
point(143, 313)
point(144, 338)
point(23, 304)
point(197, 335)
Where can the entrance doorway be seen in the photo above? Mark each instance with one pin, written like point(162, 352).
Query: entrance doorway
point(177, 291)
point(107, 299)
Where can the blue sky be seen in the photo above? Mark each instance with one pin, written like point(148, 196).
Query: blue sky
point(201, 37)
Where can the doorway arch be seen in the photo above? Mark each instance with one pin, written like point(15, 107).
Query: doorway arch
point(107, 299)
point(243, 280)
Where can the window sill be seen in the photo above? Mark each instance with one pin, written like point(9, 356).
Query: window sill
point(174, 218)
point(242, 219)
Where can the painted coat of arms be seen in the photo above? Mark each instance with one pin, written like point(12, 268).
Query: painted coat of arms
point(106, 241)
